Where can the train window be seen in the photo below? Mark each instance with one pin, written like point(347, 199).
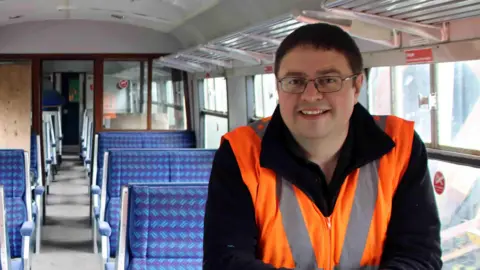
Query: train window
point(266, 96)
point(215, 94)
point(458, 85)
point(125, 95)
point(412, 92)
point(379, 90)
point(214, 110)
point(168, 105)
point(215, 128)
point(456, 192)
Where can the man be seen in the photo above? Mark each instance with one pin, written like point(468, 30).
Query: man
point(322, 184)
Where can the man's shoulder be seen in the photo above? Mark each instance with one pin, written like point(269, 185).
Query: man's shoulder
point(393, 122)
point(244, 132)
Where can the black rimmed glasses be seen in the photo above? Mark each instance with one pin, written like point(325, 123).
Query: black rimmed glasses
point(323, 84)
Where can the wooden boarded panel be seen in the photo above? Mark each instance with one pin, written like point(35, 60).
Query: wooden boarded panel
point(15, 106)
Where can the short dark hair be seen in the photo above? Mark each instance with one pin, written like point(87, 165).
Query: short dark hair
point(322, 36)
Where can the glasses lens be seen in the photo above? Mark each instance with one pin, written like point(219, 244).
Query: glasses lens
point(293, 85)
point(328, 84)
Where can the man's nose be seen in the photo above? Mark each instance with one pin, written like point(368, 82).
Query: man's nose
point(311, 93)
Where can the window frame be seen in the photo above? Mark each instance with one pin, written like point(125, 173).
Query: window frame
point(262, 76)
point(204, 112)
point(147, 64)
point(457, 155)
point(171, 105)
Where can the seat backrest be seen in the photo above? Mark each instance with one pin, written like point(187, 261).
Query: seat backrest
point(134, 139)
point(14, 180)
point(130, 166)
point(127, 167)
point(191, 165)
point(165, 226)
point(33, 154)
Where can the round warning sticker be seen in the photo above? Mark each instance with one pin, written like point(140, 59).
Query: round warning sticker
point(439, 183)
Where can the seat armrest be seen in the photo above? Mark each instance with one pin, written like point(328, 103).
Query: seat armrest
point(39, 190)
point(96, 190)
point(96, 211)
point(27, 228)
point(34, 210)
point(110, 266)
point(104, 228)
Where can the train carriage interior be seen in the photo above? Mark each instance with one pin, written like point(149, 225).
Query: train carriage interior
point(110, 108)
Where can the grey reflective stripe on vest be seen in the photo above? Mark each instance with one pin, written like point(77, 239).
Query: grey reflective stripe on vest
point(366, 267)
point(295, 227)
point(360, 216)
point(359, 222)
point(357, 229)
point(259, 127)
point(382, 121)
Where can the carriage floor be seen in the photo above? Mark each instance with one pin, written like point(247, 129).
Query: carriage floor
point(66, 235)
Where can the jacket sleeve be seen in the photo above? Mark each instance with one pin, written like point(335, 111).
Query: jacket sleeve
point(413, 235)
point(230, 231)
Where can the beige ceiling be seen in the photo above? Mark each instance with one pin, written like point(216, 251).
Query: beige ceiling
point(161, 15)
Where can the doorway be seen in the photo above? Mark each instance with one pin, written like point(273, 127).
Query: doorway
point(71, 92)
point(69, 78)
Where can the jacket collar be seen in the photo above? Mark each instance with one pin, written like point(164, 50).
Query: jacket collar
point(365, 142)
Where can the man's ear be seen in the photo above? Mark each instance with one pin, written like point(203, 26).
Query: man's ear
point(357, 85)
point(359, 82)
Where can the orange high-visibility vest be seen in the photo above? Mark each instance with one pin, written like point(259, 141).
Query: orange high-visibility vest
point(293, 233)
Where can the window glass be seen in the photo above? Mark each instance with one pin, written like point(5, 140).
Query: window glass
point(215, 128)
point(215, 94)
point(458, 87)
point(459, 206)
point(258, 96)
point(412, 91)
point(379, 91)
point(168, 101)
point(125, 95)
point(266, 96)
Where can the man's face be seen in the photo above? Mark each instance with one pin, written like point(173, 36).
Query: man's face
point(312, 114)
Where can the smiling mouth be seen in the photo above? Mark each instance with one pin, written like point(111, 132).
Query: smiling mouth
point(313, 112)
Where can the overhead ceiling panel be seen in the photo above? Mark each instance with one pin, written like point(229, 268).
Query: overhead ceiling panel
point(259, 42)
point(161, 15)
point(210, 56)
point(421, 11)
point(411, 17)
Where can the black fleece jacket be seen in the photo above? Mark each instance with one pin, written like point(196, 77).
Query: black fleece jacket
point(230, 238)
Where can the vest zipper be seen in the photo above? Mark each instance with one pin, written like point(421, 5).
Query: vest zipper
point(328, 222)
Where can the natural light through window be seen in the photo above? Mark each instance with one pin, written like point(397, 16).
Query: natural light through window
point(266, 96)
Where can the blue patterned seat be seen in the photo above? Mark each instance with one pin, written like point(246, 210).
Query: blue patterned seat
point(129, 166)
point(188, 165)
point(36, 182)
point(14, 178)
point(33, 155)
point(164, 226)
point(126, 140)
point(129, 140)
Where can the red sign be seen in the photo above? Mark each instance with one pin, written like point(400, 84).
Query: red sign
point(207, 75)
point(268, 69)
point(91, 87)
point(439, 183)
point(419, 56)
point(122, 84)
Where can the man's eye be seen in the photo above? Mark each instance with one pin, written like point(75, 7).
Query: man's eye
point(295, 81)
